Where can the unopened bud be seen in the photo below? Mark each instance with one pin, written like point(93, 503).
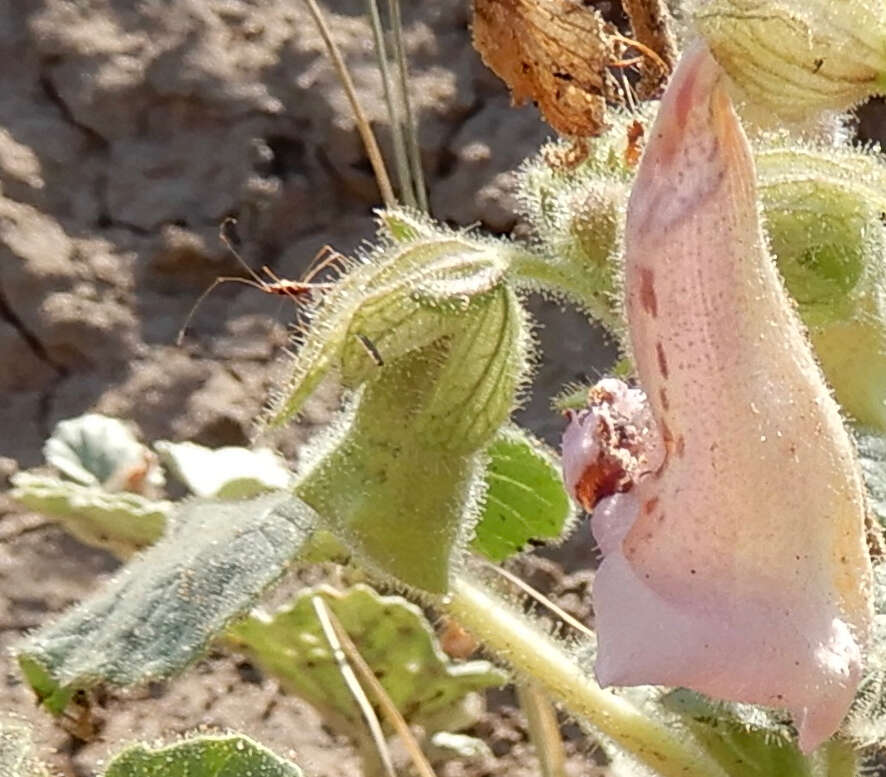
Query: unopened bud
point(793, 59)
point(822, 211)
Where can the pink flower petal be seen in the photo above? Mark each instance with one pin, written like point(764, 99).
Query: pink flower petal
point(744, 572)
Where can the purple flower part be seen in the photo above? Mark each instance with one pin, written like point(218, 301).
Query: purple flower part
point(736, 563)
point(580, 447)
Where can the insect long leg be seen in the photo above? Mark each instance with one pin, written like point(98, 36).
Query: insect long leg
point(227, 233)
point(326, 257)
point(257, 284)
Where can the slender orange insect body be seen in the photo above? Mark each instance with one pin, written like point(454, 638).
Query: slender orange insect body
point(295, 290)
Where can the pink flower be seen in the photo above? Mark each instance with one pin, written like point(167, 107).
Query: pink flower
point(735, 560)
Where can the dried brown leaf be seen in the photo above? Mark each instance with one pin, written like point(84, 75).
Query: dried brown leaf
point(650, 21)
point(555, 52)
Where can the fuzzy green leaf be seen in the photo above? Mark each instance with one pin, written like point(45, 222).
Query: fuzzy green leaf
point(16, 756)
point(159, 612)
point(394, 638)
point(746, 741)
point(231, 755)
point(525, 498)
point(96, 450)
point(120, 522)
point(224, 473)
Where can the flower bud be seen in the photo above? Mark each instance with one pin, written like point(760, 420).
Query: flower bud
point(435, 345)
point(406, 295)
point(822, 210)
point(573, 194)
point(793, 59)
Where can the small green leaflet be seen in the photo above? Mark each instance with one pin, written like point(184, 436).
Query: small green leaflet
point(525, 498)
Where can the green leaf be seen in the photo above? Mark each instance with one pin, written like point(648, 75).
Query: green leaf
point(96, 450)
point(394, 638)
point(120, 522)
point(159, 612)
point(525, 498)
point(231, 755)
point(16, 757)
point(746, 741)
point(225, 473)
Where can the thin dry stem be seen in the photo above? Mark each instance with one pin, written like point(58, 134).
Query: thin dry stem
point(329, 631)
point(544, 731)
point(388, 708)
point(542, 600)
point(418, 177)
point(650, 21)
point(369, 142)
point(404, 174)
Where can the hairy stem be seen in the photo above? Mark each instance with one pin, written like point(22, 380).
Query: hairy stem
point(840, 759)
point(581, 287)
point(534, 654)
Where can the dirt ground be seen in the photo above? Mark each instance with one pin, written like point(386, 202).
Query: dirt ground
point(128, 132)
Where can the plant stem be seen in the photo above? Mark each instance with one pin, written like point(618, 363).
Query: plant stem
point(388, 708)
point(400, 159)
point(418, 178)
point(353, 684)
point(369, 142)
point(569, 280)
point(544, 732)
point(534, 654)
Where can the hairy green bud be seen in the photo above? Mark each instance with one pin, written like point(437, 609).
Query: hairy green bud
point(405, 296)
point(822, 211)
point(434, 344)
point(793, 59)
point(400, 481)
point(573, 195)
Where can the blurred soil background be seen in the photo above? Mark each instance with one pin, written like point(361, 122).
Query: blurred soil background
point(128, 132)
